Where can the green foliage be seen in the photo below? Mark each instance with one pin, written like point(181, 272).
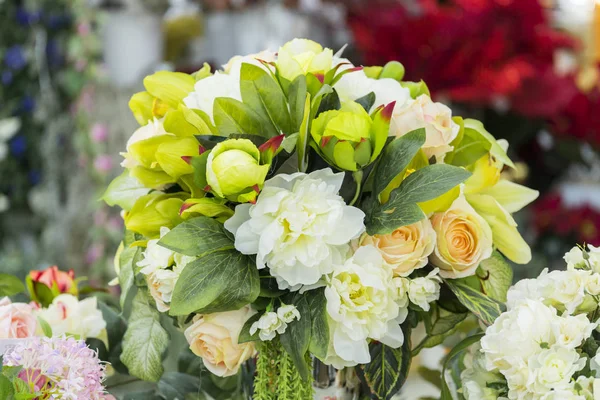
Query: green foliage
point(439, 324)
point(223, 280)
point(388, 369)
point(175, 385)
point(303, 137)
point(197, 237)
point(127, 263)
point(297, 98)
point(319, 333)
point(296, 338)
point(46, 328)
point(496, 276)
point(245, 335)
point(145, 340)
point(484, 307)
point(456, 351)
point(123, 191)
point(475, 128)
point(471, 148)
point(10, 285)
point(367, 101)
point(233, 116)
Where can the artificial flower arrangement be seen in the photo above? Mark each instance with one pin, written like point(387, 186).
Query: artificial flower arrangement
point(293, 207)
point(545, 346)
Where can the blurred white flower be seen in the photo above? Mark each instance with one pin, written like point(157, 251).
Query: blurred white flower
point(8, 128)
point(4, 203)
point(155, 256)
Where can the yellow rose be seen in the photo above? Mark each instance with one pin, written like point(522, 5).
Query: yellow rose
point(405, 249)
point(464, 239)
point(436, 118)
point(214, 338)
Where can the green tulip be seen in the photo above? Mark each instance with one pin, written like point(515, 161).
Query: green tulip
point(349, 138)
point(234, 170)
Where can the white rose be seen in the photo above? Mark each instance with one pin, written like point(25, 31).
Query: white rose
point(155, 256)
point(288, 313)
point(405, 249)
point(154, 128)
point(564, 289)
point(424, 290)
point(161, 284)
point(525, 289)
point(362, 304)
point(518, 334)
point(268, 325)
point(594, 257)
point(208, 89)
point(554, 368)
point(301, 56)
point(592, 284)
point(299, 227)
point(68, 315)
point(571, 331)
point(214, 338)
point(518, 377)
point(574, 258)
point(436, 118)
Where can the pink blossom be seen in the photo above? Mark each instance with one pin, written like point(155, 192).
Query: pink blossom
point(99, 132)
point(16, 320)
point(103, 163)
point(84, 28)
point(94, 253)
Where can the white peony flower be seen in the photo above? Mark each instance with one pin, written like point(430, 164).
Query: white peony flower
point(208, 89)
point(424, 290)
point(268, 325)
point(594, 258)
point(571, 331)
point(525, 289)
point(592, 284)
point(156, 256)
point(362, 304)
point(154, 128)
point(299, 227)
point(553, 369)
point(574, 258)
point(68, 315)
point(287, 313)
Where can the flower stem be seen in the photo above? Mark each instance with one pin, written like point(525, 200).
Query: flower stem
point(358, 176)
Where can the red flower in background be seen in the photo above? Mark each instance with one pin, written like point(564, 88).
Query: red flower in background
point(53, 277)
point(580, 118)
point(473, 51)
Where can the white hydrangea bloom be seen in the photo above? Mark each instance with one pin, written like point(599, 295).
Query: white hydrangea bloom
point(299, 227)
point(268, 325)
point(155, 256)
point(424, 290)
point(362, 303)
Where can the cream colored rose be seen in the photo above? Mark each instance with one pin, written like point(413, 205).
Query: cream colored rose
point(464, 239)
point(436, 118)
point(405, 249)
point(16, 320)
point(214, 338)
point(300, 56)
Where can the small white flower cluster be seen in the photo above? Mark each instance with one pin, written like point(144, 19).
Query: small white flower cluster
point(271, 323)
point(162, 268)
point(536, 345)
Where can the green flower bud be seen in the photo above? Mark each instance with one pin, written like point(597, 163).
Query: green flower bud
point(234, 172)
point(349, 138)
point(154, 210)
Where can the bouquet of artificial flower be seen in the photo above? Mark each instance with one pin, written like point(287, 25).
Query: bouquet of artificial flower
point(546, 345)
point(293, 206)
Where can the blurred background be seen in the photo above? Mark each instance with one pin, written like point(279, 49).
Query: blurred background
point(527, 68)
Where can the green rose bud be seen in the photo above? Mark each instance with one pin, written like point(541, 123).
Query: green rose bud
point(301, 56)
point(154, 210)
point(234, 172)
point(349, 138)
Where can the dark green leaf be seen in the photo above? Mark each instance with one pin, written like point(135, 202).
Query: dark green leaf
point(296, 338)
point(396, 156)
point(367, 101)
point(127, 263)
point(446, 394)
point(245, 335)
point(233, 116)
point(115, 325)
point(496, 276)
point(429, 182)
point(388, 369)
point(439, 324)
point(319, 338)
point(297, 98)
point(471, 148)
point(175, 385)
point(386, 218)
point(220, 281)
point(145, 340)
point(269, 287)
point(39, 292)
point(303, 137)
point(484, 308)
point(189, 363)
point(197, 237)
point(330, 101)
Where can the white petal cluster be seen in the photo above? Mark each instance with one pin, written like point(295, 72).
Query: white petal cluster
point(300, 227)
point(271, 323)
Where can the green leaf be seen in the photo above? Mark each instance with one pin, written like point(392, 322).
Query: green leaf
point(496, 276)
point(471, 148)
point(484, 307)
point(330, 101)
point(46, 329)
point(123, 191)
point(39, 292)
point(264, 95)
point(439, 324)
point(429, 182)
point(115, 325)
point(145, 340)
point(6, 388)
point(189, 363)
point(388, 369)
point(245, 335)
point(197, 237)
point(446, 394)
point(220, 281)
point(175, 385)
point(303, 137)
point(10, 285)
point(297, 99)
point(319, 337)
point(495, 149)
point(367, 101)
point(396, 157)
point(385, 219)
point(296, 338)
point(233, 116)
point(127, 263)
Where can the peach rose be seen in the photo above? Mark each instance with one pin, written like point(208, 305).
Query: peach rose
point(16, 320)
point(464, 239)
point(436, 118)
point(214, 338)
point(64, 280)
point(405, 249)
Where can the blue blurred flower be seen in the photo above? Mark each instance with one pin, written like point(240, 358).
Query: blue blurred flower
point(27, 104)
point(35, 177)
point(53, 54)
point(25, 17)
point(18, 145)
point(7, 77)
point(14, 58)
point(57, 21)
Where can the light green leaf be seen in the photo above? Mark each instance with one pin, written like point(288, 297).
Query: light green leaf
point(46, 329)
point(471, 148)
point(459, 348)
point(170, 87)
point(439, 324)
point(388, 369)
point(123, 191)
point(429, 183)
point(496, 276)
point(145, 340)
point(232, 116)
point(297, 99)
point(6, 388)
point(484, 307)
point(10, 285)
point(245, 335)
point(303, 137)
point(396, 157)
point(296, 338)
point(511, 196)
point(264, 95)
point(495, 149)
point(220, 281)
point(127, 263)
point(197, 237)
point(319, 337)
